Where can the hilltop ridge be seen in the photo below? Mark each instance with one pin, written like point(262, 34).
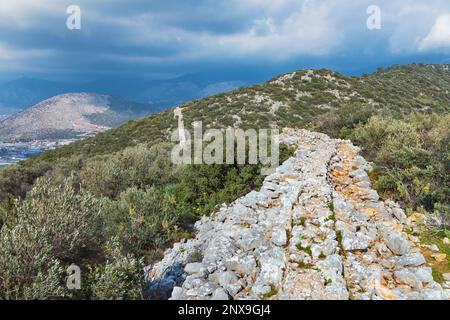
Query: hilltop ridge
point(297, 100)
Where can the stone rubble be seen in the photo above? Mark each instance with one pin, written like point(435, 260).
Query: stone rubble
point(315, 230)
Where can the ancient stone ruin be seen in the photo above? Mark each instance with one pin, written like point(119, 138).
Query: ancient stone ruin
point(315, 230)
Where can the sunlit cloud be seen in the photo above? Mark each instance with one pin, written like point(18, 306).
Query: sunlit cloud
point(144, 34)
point(439, 36)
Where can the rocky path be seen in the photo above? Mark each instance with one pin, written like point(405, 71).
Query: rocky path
point(315, 230)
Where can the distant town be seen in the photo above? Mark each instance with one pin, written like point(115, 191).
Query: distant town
point(13, 152)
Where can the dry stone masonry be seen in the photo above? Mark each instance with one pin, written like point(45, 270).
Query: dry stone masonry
point(315, 230)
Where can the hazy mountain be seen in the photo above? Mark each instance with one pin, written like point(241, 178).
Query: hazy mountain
point(25, 92)
point(71, 115)
point(166, 92)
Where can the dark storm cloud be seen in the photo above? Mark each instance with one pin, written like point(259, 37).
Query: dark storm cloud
point(175, 36)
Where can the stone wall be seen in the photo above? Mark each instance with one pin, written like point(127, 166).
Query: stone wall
point(315, 230)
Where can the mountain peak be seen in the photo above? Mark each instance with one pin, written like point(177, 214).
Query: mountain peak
point(69, 115)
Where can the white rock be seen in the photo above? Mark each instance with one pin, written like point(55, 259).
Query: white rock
point(413, 259)
point(424, 274)
point(226, 278)
point(404, 276)
point(220, 294)
point(177, 293)
point(432, 294)
point(193, 268)
point(396, 243)
point(434, 247)
point(354, 241)
point(242, 265)
point(279, 237)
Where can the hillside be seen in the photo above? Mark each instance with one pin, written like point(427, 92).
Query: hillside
point(71, 115)
point(294, 100)
point(115, 203)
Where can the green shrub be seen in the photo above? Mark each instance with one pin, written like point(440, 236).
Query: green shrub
point(137, 166)
point(139, 219)
point(121, 277)
point(411, 156)
point(339, 122)
point(51, 228)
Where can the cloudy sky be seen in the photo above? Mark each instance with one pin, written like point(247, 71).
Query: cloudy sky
point(169, 37)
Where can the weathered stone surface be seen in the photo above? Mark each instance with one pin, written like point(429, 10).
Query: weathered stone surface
point(242, 265)
point(192, 268)
point(220, 294)
point(404, 276)
point(178, 294)
point(227, 278)
point(353, 241)
point(413, 259)
point(439, 257)
point(424, 275)
point(279, 237)
point(432, 294)
point(315, 230)
point(400, 215)
point(398, 244)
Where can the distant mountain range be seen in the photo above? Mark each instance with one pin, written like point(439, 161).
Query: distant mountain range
point(71, 115)
point(25, 92)
point(34, 109)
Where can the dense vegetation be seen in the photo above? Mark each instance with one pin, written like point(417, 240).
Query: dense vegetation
point(110, 216)
point(411, 154)
point(112, 203)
